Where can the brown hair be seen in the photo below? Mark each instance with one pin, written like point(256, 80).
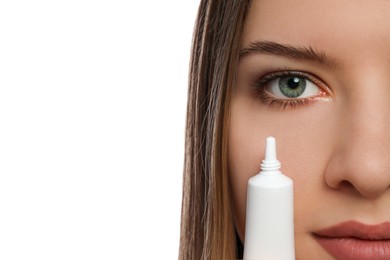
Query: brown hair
point(207, 226)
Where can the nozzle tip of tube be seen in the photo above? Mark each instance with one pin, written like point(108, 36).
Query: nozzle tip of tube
point(270, 149)
point(270, 161)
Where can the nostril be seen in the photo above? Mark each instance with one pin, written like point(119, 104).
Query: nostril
point(343, 185)
point(346, 185)
point(368, 190)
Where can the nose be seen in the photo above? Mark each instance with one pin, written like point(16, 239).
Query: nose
point(361, 160)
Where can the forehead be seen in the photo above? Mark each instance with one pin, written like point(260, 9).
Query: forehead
point(330, 25)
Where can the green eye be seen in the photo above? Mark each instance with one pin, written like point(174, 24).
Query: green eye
point(290, 89)
point(291, 86)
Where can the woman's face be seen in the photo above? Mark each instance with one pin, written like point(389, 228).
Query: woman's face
point(316, 75)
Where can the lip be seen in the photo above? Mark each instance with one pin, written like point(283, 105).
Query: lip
point(353, 240)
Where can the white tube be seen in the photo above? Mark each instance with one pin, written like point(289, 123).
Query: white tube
point(269, 231)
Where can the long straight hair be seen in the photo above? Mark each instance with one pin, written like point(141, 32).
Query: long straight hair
point(207, 226)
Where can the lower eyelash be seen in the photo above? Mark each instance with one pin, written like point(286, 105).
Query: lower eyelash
point(284, 103)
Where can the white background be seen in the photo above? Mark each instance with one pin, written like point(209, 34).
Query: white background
point(92, 119)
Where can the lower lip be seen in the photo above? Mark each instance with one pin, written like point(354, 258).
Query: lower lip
point(348, 248)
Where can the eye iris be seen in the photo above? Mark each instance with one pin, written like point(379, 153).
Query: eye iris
point(292, 86)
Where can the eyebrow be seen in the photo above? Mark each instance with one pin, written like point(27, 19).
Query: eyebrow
point(302, 53)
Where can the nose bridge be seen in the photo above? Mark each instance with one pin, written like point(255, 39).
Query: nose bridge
point(363, 155)
point(367, 124)
point(368, 120)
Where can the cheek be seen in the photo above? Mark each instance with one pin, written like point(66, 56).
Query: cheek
point(304, 141)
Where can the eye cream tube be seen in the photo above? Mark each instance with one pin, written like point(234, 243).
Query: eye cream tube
point(269, 228)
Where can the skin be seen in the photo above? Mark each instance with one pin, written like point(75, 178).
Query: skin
point(336, 148)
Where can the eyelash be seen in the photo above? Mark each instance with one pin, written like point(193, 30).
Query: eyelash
point(283, 104)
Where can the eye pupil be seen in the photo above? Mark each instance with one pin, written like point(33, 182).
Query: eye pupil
point(292, 87)
point(293, 82)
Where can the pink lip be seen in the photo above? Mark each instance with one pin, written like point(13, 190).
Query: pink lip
point(353, 240)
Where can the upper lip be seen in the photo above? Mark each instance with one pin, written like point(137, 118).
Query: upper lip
point(354, 229)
